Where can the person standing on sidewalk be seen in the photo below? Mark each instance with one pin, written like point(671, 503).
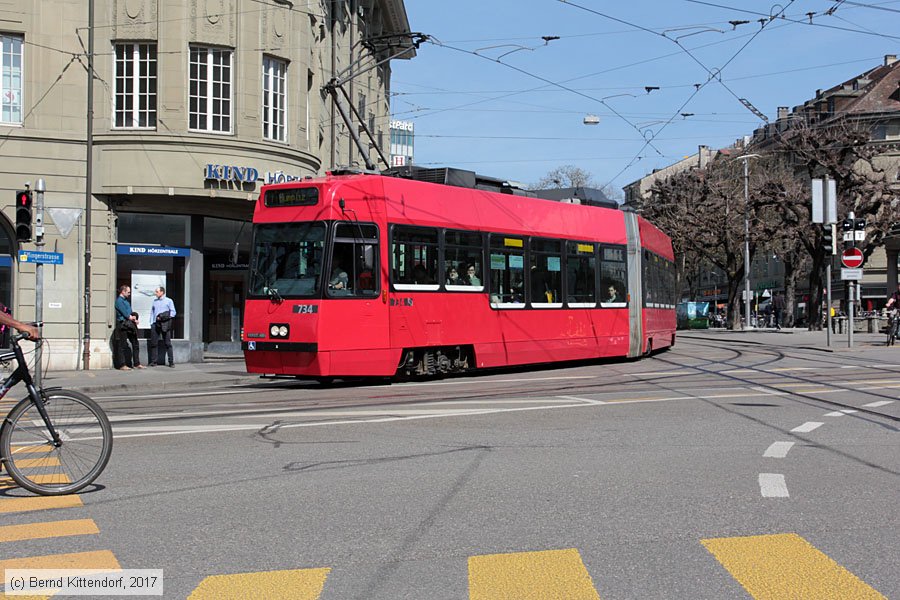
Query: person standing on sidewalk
point(778, 307)
point(126, 332)
point(161, 315)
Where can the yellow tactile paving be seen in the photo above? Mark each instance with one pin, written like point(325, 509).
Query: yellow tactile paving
point(101, 560)
point(774, 567)
point(7, 482)
point(36, 531)
point(300, 584)
point(546, 575)
point(11, 505)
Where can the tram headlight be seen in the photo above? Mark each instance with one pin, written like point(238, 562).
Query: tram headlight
point(279, 330)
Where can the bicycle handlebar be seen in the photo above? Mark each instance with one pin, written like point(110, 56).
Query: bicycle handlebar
point(24, 336)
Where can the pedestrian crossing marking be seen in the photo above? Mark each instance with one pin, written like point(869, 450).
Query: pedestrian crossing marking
point(7, 482)
point(12, 505)
point(299, 584)
point(47, 461)
point(786, 566)
point(52, 529)
point(549, 574)
point(99, 560)
point(31, 449)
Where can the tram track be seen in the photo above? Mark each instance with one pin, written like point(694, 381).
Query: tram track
point(695, 375)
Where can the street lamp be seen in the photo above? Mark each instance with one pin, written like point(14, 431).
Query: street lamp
point(746, 159)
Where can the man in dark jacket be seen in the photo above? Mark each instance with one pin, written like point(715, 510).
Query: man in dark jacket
point(778, 307)
point(126, 333)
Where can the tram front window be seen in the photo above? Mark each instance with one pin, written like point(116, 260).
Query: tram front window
point(287, 259)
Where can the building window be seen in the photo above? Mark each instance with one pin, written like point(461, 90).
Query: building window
point(210, 89)
point(274, 99)
point(135, 93)
point(11, 85)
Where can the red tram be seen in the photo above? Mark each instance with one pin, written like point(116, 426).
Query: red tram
point(370, 275)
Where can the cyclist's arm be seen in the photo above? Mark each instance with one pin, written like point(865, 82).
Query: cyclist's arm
point(31, 330)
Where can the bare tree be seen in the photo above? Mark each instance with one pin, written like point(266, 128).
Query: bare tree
point(566, 176)
point(840, 149)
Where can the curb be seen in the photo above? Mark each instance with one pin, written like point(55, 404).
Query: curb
point(160, 387)
point(756, 343)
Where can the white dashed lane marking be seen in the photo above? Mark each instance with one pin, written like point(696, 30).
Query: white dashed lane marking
point(772, 485)
point(778, 450)
point(807, 427)
point(879, 403)
point(841, 413)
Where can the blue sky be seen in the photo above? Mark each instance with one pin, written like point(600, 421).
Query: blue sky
point(516, 121)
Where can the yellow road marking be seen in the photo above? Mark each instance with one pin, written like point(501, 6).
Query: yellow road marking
point(787, 566)
point(48, 461)
point(101, 560)
point(29, 449)
point(36, 531)
point(11, 505)
point(542, 575)
point(299, 584)
point(7, 482)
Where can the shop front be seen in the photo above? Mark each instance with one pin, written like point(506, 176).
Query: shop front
point(201, 261)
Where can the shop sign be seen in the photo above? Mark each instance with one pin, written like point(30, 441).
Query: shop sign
point(220, 266)
point(280, 177)
point(230, 173)
point(144, 250)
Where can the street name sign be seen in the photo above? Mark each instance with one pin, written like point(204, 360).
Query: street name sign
point(852, 258)
point(851, 274)
point(46, 258)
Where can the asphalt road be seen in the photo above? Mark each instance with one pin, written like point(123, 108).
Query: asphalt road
point(702, 472)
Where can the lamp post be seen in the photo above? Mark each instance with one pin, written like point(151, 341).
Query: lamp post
point(746, 159)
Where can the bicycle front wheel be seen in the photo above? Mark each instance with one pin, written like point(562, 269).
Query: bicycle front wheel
point(42, 467)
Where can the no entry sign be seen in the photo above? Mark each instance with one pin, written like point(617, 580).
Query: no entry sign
point(852, 258)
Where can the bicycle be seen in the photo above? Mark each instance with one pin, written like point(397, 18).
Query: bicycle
point(55, 441)
point(893, 329)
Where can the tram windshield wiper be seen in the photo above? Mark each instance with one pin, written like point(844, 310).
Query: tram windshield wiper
point(273, 294)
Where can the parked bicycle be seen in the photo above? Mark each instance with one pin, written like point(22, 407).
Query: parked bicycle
point(55, 441)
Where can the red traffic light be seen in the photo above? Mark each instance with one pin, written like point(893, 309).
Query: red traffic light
point(23, 198)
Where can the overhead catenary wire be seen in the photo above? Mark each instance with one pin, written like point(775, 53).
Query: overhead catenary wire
point(699, 87)
point(545, 80)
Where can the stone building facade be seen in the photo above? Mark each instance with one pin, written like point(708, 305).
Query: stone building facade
point(196, 104)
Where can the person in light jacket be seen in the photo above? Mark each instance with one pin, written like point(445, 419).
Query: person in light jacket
point(162, 314)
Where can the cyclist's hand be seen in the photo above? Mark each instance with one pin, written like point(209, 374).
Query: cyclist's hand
point(33, 332)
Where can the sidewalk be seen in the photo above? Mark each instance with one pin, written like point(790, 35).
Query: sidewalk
point(788, 338)
point(209, 374)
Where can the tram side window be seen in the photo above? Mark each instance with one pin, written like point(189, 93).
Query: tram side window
point(581, 269)
point(354, 261)
point(613, 277)
point(507, 271)
point(546, 273)
point(463, 261)
point(668, 282)
point(414, 258)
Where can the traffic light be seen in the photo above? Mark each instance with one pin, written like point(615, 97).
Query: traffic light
point(23, 216)
point(828, 239)
point(859, 224)
point(847, 225)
